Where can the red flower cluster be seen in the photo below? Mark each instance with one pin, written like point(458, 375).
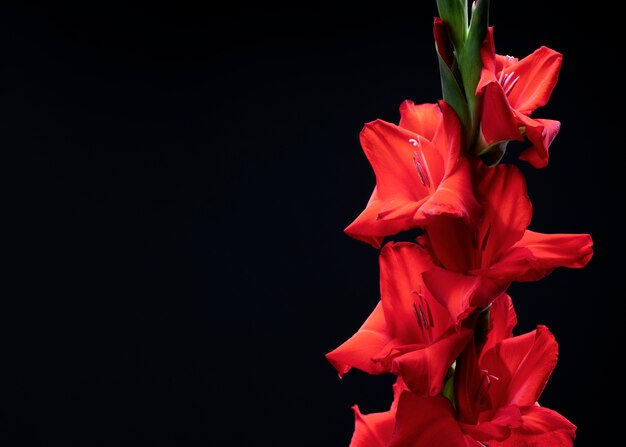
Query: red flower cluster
point(444, 322)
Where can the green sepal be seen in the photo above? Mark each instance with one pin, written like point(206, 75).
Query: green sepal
point(492, 155)
point(452, 92)
point(448, 388)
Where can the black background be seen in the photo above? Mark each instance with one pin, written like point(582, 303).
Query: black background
point(178, 178)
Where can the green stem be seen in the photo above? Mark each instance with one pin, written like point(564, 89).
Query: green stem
point(470, 64)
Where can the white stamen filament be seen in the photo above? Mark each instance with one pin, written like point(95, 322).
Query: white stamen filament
point(508, 81)
point(508, 89)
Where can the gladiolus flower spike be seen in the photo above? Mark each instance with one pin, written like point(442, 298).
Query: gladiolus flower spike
point(443, 322)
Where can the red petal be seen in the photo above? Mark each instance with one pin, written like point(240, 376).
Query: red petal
point(367, 228)
point(453, 290)
point(423, 119)
point(462, 294)
point(541, 427)
point(497, 428)
point(450, 240)
point(401, 211)
point(502, 320)
point(523, 366)
point(372, 430)
point(447, 139)
point(550, 251)
point(424, 370)
point(454, 197)
point(538, 74)
point(488, 57)
point(508, 210)
point(376, 429)
point(390, 152)
point(497, 122)
point(540, 133)
point(368, 341)
point(514, 264)
point(427, 421)
point(402, 292)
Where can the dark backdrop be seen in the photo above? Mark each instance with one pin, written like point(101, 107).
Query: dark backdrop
point(178, 178)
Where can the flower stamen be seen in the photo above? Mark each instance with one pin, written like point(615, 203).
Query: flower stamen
point(421, 172)
point(417, 316)
point(430, 314)
point(422, 311)
point(421, 166)
point(508, 81)
point(485, 383)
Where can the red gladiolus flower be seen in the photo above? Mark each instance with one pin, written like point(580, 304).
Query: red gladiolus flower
point(497, 390)
point(409, 333)
point(479, 263)
point(419, 172)
point(512, 90)
point(496, 397)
